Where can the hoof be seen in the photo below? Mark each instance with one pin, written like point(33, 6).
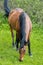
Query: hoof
point(14, 45)
point(17, 49)
point(30, 55)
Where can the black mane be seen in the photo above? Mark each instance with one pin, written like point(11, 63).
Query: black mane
point(22, 28)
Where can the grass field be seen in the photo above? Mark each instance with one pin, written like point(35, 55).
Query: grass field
point(8, 54)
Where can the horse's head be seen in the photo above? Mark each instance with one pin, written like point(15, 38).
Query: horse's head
point(22, 52)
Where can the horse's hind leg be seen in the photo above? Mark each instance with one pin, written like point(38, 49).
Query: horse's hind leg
point(29, 49)
point(17, 44)
point(12, 34)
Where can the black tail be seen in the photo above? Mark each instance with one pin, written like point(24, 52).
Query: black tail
point(22, 28)
point(7, 10)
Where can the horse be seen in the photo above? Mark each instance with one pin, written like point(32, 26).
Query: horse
point(20, 21)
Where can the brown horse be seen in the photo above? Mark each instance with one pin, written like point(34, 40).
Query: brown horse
point(19, 21)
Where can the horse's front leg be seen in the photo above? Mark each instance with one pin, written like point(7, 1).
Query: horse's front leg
point(29, 49)
point(17, 41)
point(12, 34)
point(17, 44)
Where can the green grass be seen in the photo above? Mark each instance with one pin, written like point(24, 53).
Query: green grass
point(8, 54)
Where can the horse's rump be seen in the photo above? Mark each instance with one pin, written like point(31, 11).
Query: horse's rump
point(14, 18)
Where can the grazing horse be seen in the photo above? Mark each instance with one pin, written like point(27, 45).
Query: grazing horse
point(19, 21)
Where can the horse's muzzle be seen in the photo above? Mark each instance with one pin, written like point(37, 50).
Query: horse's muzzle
point(22, 53)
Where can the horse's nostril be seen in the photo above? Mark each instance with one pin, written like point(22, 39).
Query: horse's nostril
point(21, 59)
